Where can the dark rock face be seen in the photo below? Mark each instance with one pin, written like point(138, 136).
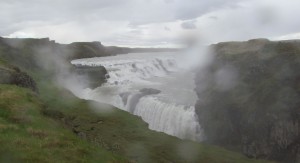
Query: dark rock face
point(24, 80)
point(249, 98)
point(12, 75)
point(92, 77)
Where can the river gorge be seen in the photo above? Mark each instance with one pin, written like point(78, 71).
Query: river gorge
point(150, 85)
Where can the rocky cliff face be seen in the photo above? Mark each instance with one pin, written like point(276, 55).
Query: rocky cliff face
point(249, 98)
point(92, 77)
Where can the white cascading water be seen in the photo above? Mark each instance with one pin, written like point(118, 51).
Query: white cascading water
point(177, 120)
point(152, 86)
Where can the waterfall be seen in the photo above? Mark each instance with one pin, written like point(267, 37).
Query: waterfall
point(177, 120)
point(127, 70)
point(146, 85)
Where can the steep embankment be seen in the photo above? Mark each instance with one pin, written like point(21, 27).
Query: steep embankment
point(28, 136)
point(249, 98)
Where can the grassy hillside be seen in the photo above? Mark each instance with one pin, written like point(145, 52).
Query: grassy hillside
point(28, 136)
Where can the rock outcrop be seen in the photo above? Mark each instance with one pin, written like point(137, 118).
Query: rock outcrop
point(91, 77)
point(13, 75)
point(249, 98)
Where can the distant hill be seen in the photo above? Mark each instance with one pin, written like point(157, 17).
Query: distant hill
point(75, 50)
point(123, 50)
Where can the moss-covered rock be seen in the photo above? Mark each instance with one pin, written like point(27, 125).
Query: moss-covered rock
point(12, 75)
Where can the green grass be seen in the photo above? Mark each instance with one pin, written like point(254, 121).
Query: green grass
point(28, 136)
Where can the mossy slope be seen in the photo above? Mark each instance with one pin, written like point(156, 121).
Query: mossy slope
point(28, 136)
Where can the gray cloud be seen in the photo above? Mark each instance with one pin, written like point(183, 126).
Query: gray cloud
point(251, 19)
point(131, 22)
point(167, 29)
point(16, 14)
point(189, 25)
point(213, 17)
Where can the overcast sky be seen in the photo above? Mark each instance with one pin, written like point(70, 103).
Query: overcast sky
point(156, 23)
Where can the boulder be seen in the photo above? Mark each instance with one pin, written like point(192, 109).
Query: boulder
point(13, 75)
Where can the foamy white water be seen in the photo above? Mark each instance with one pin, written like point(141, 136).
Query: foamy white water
point(152, 86)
